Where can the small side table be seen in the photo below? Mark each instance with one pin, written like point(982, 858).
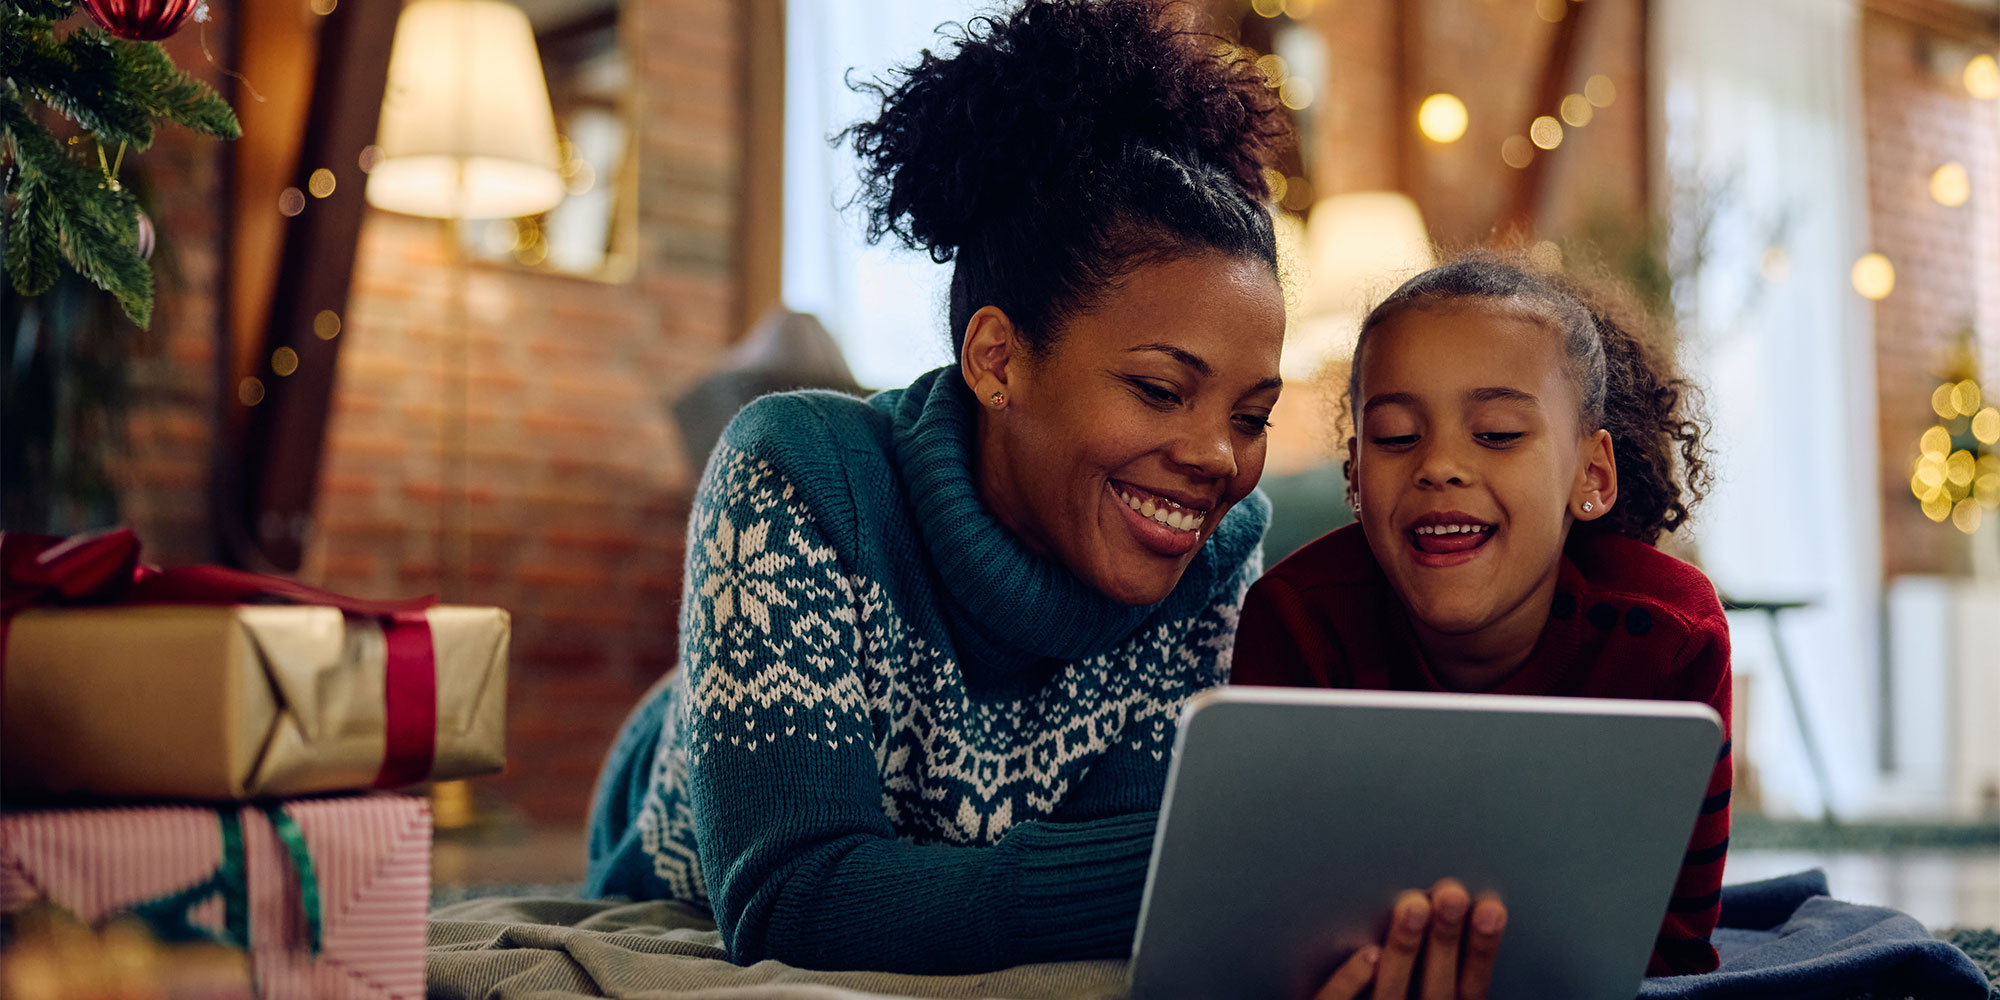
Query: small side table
point(1770, 608)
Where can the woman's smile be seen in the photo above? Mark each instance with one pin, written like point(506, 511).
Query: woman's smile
point(1165, 525)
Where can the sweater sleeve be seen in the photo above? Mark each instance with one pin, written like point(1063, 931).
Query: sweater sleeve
point(1276, 643)
point(800, 858)
point(1683, 944)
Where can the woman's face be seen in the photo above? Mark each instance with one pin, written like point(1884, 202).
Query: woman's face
point(1119, 450)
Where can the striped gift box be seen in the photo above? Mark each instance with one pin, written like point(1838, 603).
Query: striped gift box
point(370, 857)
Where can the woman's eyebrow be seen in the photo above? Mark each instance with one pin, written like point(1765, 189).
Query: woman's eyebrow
point(1201, 367)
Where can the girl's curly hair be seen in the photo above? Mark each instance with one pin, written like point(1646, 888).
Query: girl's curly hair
point(1062, 145)
point(1629, 386)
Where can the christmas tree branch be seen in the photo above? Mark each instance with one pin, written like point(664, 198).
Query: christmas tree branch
point(50, 10)
point(61, 207)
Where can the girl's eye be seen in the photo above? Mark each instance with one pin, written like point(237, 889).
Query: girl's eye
point(1253, 424)
point(1499, 437)
point(1396, 440)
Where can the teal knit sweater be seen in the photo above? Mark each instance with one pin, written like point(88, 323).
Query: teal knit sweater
point(897, 739)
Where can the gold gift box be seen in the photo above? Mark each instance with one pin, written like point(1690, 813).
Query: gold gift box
point(233, 702)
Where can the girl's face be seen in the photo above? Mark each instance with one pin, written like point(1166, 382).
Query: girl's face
point(1470, 463)
point(1118, 452)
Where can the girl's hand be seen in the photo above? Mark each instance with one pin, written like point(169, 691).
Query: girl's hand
point(1432, 928)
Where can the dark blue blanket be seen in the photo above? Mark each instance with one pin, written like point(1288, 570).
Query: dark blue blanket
point(1785, 939)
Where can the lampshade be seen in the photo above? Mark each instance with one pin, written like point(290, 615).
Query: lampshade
point(1358, 247)
point(466, 130)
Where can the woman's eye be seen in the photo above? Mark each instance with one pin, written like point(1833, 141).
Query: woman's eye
point(1253, 423)
point(1396, 440)
point(1499, 437)
point(1156, 394)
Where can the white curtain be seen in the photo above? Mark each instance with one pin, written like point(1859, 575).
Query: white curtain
point(885, 305)
point(1761, 130)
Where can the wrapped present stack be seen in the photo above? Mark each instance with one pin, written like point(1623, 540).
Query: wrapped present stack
point(212, 756)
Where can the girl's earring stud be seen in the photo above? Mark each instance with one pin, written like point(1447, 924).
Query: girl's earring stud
point(999, 398)
point(1588, 506)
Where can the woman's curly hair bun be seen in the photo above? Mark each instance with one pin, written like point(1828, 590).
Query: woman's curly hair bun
point(1041, 107)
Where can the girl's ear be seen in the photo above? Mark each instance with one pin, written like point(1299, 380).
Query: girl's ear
point(990, 345)
point(1596, 487)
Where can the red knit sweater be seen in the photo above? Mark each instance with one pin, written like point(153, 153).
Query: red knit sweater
point(1628, 621)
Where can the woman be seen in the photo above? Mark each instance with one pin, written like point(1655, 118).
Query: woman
point(933, 644)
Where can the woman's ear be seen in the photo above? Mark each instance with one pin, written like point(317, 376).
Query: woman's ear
point(987, 355)
point(1596, 487)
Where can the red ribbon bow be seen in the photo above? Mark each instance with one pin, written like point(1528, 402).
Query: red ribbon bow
point(104, 569)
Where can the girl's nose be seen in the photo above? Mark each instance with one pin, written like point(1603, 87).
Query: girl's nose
point(1442, 465)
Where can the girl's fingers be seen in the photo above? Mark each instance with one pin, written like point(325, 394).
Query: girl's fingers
point(1449, 904)
point(1407, 923)
point(1482, 945)
point(1352, 977)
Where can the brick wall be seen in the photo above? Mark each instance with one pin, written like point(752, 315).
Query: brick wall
point(577, 485)
point(1947, 260)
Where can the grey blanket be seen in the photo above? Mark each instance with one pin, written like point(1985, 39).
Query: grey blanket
point(512, 949)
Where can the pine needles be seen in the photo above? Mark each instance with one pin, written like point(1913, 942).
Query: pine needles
point(63, 205)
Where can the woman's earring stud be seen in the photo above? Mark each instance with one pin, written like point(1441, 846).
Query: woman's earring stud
point(999, 398)
point(1588, 506)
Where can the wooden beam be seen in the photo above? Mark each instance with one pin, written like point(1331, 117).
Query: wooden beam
point(1524, 201)
point(1943, 17)
point(283, 434)
point(761, 195)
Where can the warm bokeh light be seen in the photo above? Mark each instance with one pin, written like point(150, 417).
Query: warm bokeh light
point(1958, 469)
point(1965, 398)
point(324, 7)
point(1546, 255)
point(1941, 403)
point(250, 391)
point(1937, 508)
point(1275, 180)
point(1442, 118)
point(1272, 65)
point(1576, 110)
point(1600, 91)
point(1982, 77)
point(1776, 264)
point(1929, 475)
point(1546, 132)
point(326, 325)
point(1296, 93)
point(1299, 10)
point(1950, 186)
point(291, 201)
point(321, 183)
point(371, 155)
point(1552, 11)
point(284, 361)
point(1965, 516)
point(1936, 443)
point(1873, 276)
point(1267, 8)
point(1986, 426)
point(1517, 152)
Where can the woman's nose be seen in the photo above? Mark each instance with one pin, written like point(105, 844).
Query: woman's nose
point(1209, 452)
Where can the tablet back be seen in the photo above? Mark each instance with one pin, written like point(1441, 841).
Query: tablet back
point(1294, 817)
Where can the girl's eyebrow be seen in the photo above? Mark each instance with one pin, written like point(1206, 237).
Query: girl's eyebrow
point(1501, 393)
point(1388, 399)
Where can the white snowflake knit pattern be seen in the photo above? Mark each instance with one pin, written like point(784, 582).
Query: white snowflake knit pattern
point(785, 650)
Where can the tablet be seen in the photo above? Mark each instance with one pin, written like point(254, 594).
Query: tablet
point(1293, 818)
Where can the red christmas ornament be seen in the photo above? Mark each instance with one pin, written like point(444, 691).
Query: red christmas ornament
point(141, 20)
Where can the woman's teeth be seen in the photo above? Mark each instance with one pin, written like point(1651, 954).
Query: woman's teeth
point(1166, 512)
point(1451, 529)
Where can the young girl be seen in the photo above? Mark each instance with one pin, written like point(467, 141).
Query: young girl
point(1513, 460)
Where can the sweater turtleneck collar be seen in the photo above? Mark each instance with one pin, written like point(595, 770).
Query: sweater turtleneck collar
point(1009, 609)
